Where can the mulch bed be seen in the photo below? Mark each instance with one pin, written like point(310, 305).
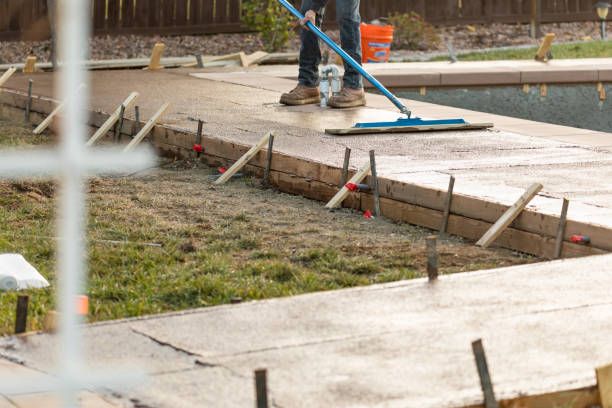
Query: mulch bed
point(462, 37)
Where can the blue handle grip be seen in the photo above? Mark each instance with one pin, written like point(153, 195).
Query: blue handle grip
point(349, 60)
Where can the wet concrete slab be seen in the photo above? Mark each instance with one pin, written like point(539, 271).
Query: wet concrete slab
point(495, 164)
point(545, 328)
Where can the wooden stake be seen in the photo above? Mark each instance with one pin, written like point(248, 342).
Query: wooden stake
point(561, 229)
point(21, 317)
point(261, 388)
point(337, 200)
point(51, 321)
point(602, 94)
point(5, 77)
point(447, 205)
point(432, 257)
point(345, 166)
point(113, 118)
point(146, 128)
point(266, 179)
point(604, 385)
point(374, 184)
point(543, 90)
point(243, 160)
point(28, 107)
point(485, 377)
point(45, 123)
point(509, 216)
point(155, 62)
point(526, 88)
point(423, 91)
point(199, 61)
point(543, 53)
point(30, 65)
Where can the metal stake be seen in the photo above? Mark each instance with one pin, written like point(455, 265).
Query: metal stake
point(199, 61)
point(483, 372)
point(266, 177)
point(199, 135)
point(28, 107)
point(136, 120)
point(21, 318)
point(432, 257)
point(561, 229)
point(261, 388)
point(119, 125)
point(374, 184)
point(447, 205)
point(345, 167)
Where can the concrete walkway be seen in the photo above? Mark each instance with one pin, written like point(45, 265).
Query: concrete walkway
point(545, 328)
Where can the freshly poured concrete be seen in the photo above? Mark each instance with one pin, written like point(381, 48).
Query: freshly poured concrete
point(545, 328)
point(495, 165)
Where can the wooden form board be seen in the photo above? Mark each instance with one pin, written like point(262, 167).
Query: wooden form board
point(604, 384)
point(7, 74)
point(112, 119)
point(574, 398)
point(407, 129)
point(357, 178)
point(532, 232)
point(244, 159)
point(146, 128)
point(509, 216)
point(45, 123)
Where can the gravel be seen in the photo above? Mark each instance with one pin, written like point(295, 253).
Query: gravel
point(461, 37)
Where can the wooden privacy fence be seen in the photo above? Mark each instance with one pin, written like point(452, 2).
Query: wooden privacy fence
point(27, 19)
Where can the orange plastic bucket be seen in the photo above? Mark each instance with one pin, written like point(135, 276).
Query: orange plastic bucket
point(376, 42)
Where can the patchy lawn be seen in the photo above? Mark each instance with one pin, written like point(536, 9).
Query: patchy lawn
point(589, 49)
point(218, 244)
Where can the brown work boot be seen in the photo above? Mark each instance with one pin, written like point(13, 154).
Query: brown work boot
point(348, 98)
point(301, 95)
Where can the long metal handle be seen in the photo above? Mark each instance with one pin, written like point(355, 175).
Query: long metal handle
point(346, 57)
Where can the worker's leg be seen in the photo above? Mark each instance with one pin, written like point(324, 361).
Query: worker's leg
point(310, 56)
point(349, 20)
point(310, 52)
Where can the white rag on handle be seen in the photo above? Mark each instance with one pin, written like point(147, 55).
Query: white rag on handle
point(17, 274)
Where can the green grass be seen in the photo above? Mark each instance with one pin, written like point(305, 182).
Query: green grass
point(591, 49)
point(219, 243)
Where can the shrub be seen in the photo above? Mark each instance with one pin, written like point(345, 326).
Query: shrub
point(271, 20)
point(412, 32)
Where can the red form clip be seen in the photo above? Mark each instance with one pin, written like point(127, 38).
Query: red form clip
point(580, 239)
point(198, 148)
point(222, 170)
point(368, 215)
point(351, 187)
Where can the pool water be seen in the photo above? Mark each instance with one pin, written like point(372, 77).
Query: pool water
point(569, 105)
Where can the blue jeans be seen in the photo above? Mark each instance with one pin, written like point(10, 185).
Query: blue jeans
point(350, 38)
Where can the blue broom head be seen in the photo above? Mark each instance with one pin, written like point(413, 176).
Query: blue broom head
point(410, 122)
